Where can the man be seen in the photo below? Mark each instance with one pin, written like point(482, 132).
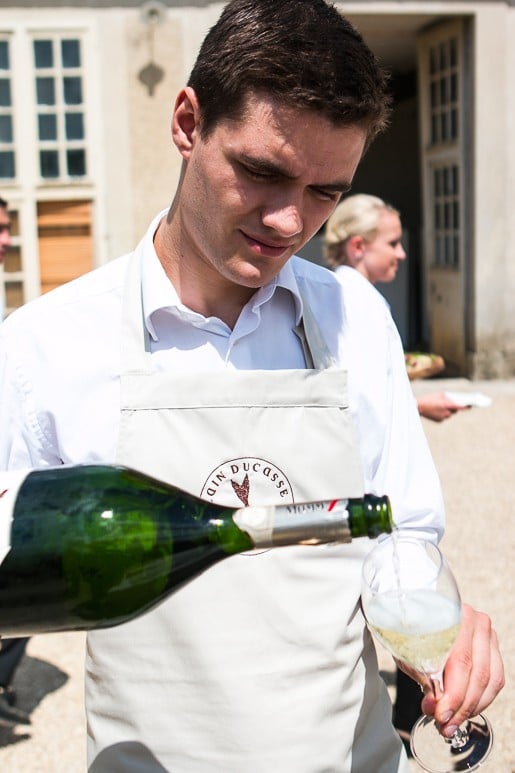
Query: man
point(11, 650)
point(211, 358)
point(5, 229)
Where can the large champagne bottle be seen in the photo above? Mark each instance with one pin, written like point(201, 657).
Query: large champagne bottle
point(93, 546)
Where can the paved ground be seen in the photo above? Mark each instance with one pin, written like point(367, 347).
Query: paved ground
point(474, 452)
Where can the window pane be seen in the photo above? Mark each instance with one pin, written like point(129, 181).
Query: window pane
point(437, 182)
point(433, 62)
point(45, 91)
point(74, 126)
point(454, 87)
point(453, 46)
point(72, 88)
point(70, 52)
point(43, 53)
point(456, 215)
point(434, 94)
point(4, 55)
point(443, 127)
point(449, 250)
point(5, 92)
point(455, 180)
point(14, 294)
point(447, 215)
point(76, 160)
point(13, 259)
point(7, 164)
point(6, 128)
point(15, 223)
point(443, 56)
point(438, 216)
point(47, 127)
point(440, 255)
point(49, 163)
point(443, 92)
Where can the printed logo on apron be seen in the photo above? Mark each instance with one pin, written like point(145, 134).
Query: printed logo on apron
point(247, 481)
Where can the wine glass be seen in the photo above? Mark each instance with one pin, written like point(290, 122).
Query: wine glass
point(412, 605)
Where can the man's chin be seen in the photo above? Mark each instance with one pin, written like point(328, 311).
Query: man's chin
point(253, 277)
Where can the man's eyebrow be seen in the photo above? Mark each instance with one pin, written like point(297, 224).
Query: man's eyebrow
point(269, 167)
point(337, 187)
point(263, 165)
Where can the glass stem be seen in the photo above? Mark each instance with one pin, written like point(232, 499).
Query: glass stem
point(461, 737)
point(436, 680)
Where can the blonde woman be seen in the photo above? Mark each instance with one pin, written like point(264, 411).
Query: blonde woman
point(365, 233)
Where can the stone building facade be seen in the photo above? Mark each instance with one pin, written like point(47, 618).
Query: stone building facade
point(86, 159)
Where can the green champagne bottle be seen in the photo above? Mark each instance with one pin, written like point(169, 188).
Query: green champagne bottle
point(92, 546)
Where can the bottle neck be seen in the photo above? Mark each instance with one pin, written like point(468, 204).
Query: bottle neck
point(313, 523)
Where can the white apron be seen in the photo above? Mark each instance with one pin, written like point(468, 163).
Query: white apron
point(257, 664)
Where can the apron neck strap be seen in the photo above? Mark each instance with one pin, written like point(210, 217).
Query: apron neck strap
point(316, 351)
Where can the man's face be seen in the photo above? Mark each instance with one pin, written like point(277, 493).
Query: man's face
point(257, 189)
point(5, 233)
point(383, 253)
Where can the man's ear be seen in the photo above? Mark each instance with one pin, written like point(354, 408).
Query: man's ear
point(185, 121)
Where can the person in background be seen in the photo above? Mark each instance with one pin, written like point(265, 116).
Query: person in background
point(5, 240)
point(205, 358)
point(11, 650)
point(365, 233)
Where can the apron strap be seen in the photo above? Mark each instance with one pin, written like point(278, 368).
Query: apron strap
point(135, 348)
point(316, 351)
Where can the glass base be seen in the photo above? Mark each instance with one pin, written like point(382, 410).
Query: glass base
point(437, 754)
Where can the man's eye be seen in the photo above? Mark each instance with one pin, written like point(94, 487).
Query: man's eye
point(327, 195)
point(255, 175)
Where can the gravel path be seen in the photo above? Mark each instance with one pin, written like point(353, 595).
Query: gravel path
point(474, 452)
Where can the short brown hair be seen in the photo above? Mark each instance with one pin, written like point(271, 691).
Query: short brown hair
point(304, 53)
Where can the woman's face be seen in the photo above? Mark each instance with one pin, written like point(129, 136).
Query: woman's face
point(382, 254)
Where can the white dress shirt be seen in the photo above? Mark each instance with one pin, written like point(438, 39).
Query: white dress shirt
point(60, 362)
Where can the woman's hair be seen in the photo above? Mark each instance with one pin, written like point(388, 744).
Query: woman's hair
point(356, 215)
point(303, 53)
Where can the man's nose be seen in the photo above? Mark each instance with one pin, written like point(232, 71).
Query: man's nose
point(283, 218)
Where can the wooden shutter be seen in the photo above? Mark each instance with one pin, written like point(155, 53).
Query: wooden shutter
point(65, 243)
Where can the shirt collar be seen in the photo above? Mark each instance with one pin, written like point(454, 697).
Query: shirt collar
point(158, 291)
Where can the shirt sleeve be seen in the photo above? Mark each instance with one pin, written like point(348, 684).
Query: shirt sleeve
point(396, 457)
point(23, 443)
point(406, 469)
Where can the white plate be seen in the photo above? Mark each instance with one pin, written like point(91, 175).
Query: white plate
point(476, 399)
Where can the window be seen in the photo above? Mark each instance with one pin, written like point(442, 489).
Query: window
point(446, 216)
point(444, 91)
point(13, 276)
point(7, 156)
point(60, 108)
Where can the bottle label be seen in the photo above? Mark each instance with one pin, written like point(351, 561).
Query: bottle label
point(10, 483)
point(303, 524)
